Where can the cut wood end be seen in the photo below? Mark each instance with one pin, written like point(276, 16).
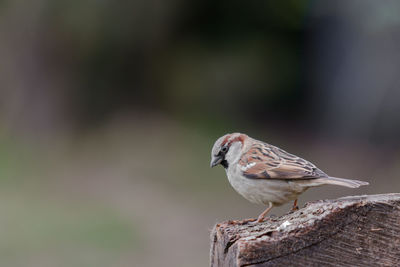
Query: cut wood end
point(247, 243)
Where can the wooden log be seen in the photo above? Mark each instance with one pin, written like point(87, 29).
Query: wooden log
point(350, 231)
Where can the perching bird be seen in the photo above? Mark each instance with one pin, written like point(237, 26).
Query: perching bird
point(266, 174)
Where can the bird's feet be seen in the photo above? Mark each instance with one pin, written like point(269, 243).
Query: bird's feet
point(294, 208)
point(241, 222)
point(262, 219)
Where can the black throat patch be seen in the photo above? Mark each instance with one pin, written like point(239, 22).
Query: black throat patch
point(225, 164)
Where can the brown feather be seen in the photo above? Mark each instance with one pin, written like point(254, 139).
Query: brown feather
point(270, 162)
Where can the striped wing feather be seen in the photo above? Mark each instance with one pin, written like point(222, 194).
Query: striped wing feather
point(264, 161)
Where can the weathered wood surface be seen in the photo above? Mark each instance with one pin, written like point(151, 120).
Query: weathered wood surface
point(350, 231)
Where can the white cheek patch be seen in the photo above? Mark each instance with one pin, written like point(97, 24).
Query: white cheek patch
point(234, 153)
point(247, 166)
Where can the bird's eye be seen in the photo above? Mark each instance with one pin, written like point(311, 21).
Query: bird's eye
point(224, 149)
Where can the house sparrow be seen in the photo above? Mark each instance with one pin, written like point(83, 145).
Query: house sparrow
point(266, 174)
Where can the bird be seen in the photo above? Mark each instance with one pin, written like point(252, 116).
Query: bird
point(265, 174)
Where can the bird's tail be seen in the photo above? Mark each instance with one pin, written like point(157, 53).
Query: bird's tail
point(342, 182)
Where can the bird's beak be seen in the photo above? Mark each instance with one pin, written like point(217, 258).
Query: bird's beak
point(215, 161)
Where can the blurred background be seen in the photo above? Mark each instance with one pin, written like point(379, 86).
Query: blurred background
point(109, 110)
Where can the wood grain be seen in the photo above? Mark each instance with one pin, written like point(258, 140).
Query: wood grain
point(349, 231)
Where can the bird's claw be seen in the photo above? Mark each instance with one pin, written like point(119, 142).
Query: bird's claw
point(233, 222)
point(295, 208)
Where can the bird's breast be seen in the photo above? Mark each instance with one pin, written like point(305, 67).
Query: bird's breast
point(263, 191)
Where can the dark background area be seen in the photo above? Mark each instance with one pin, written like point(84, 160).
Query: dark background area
point(109, 110)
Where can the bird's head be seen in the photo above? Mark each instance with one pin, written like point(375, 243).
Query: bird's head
point(227, 149)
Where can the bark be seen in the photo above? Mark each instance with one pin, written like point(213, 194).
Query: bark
point(349, 231)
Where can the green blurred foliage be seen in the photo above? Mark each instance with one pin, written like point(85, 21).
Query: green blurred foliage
point(177, 57)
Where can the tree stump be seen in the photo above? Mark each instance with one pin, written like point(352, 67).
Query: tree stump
point(349, 231)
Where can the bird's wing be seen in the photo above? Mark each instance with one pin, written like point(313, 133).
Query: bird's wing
point(264, 161)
